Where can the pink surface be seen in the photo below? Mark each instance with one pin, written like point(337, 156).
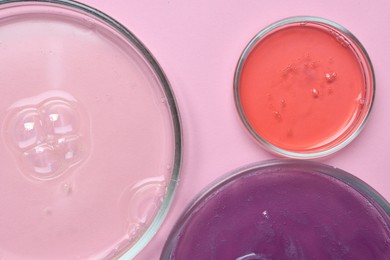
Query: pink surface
point(198, 44)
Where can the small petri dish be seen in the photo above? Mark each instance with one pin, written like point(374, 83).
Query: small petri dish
point(304, 87)
point(90, 135)
point(286, 209)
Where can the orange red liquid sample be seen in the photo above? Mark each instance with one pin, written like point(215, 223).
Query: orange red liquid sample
point(302, 87)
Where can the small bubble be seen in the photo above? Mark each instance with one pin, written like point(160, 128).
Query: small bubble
point(330, 76)
point(133, 230)
point(67, 188)
point(162, 99)
point(265, 214)
point(277, 115)
point(315, 92)
point(169, 166)
point(69, 148)
point(361, 102)
point(42, 160)
point(303, 23)
point(27, 128)
point(283, 103)
point(60, 118)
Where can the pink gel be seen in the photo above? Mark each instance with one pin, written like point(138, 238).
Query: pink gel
point(87, 145)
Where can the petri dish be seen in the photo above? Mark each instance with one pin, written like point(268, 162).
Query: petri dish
point(304, 87)
point(91, 140)
point(284, 209)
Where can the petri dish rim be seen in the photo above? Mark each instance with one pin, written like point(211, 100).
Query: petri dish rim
point(379, 202)
point(350, 136)
point(156, 69)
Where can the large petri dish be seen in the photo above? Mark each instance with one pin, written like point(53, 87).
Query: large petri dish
point(90, 136)
point(286, 209)
point(304, 87)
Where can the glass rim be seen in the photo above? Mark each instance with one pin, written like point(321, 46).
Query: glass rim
point(156, 69)
point(381, 205)
point(364, 117)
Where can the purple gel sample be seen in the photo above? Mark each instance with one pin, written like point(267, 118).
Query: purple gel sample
point(284, 211)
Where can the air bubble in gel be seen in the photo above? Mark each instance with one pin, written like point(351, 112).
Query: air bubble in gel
point(48, 134)
point(60, 118)
point(26, 128)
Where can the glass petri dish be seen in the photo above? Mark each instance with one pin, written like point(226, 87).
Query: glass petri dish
point(286, 209)
point(91, 141)
point(304, 87)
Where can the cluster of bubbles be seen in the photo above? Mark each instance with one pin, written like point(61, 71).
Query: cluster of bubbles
point(46, 137)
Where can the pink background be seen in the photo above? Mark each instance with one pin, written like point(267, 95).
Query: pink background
point(198, 44)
